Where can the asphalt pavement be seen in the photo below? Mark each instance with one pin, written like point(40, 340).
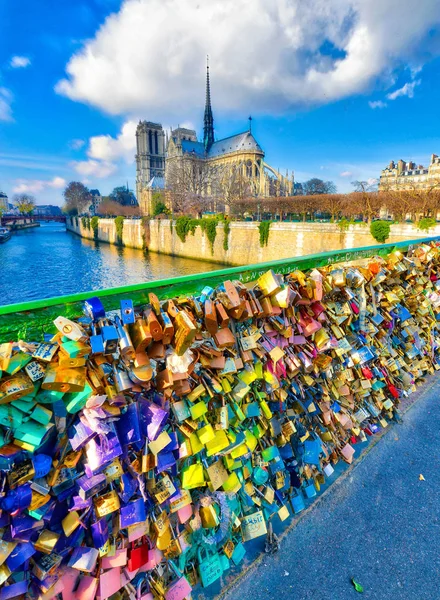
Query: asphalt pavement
point(378, 523)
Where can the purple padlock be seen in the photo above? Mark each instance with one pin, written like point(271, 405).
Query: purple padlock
point(100, 532)
point(132, 513)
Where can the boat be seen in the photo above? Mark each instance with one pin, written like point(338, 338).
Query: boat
point(5, 234)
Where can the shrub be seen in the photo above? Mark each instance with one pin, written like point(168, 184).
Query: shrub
point(119, 223)
point(380, 230)
point(209, 226)
point(160, 208)
point(426, 223)
point(226, 230)
point(343, 224)
point(94, 225)
point(183, 227)
point(263, 228)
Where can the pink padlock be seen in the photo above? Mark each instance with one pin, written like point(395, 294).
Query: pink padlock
point(140, 593)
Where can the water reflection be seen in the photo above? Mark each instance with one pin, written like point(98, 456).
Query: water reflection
point(48, 261)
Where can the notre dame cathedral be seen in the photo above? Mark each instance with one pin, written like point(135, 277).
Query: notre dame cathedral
point(236, 161)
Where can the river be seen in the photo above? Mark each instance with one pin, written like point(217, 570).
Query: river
point(48, 261)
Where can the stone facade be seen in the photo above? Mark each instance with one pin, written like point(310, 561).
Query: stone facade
point(407, 176)
point(150, 155)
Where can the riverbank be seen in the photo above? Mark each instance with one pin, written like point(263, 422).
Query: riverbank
point(19, 226)
point(241, 244)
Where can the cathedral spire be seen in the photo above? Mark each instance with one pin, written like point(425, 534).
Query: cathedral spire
point(208, 121)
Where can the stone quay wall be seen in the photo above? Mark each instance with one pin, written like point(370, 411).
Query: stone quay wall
point(286, 239)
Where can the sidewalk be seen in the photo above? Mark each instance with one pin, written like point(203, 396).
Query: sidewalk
point(379, 524)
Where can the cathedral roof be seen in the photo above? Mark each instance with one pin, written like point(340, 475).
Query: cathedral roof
point(234, 143)
point(197, 147)
point(156, 183)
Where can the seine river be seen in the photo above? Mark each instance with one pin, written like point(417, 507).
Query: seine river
point(48, 261)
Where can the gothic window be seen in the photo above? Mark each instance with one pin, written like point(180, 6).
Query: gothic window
point(155, 143)
point(150, 143)
point(249, 169)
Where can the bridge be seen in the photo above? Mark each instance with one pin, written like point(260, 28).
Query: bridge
point(21, 219)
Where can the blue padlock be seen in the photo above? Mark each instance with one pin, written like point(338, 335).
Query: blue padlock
point(96, 342)
point(127, 312)
point(110, 338)
point(94, 308)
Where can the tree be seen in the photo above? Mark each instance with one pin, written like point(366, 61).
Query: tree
point(333, 204)
point(364, 186)
point(25, 203)
point(77, 197)
point(159, 205)
point(111, 208)
point(230, 185)
point(365, 200)
point(123, 196)
point(315, 186)
point(190, 182)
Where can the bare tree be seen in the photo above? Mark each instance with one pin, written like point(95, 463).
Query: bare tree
point(112, 208)
point(77, 198)
point(230, 185)
point(25, 203)
point(190, 183)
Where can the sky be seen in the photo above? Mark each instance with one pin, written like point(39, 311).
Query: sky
point(336, 88)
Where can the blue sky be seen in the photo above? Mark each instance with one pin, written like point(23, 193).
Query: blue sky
point(336, 88)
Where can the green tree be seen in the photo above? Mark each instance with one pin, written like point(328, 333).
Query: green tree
point(316, 186)
point(123, 196)
point(380, 230)
point(25, 203)
point(77, 198)
point(159, 206)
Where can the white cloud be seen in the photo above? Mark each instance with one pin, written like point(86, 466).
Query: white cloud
point(265, 56)
point(5, 105)
point(372, 180)
point(33, 186)
point(377, 104)
point(107, 148)
point(94, 168)
point(20, 62)
point(57, 182)
point(76, 144)
point(346, 174)
point(406, 90)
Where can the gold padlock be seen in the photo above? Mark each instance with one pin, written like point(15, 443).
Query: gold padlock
point(64, 380)
point(15, 387)
point(107, 503)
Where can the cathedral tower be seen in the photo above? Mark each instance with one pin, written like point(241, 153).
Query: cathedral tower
point(208, 121)
point(150, 154)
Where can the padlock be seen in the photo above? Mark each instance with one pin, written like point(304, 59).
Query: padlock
point(70, 329)
point(127, 312)
point(125, 344)
point(64, 380)
point(110, 337)
point(140, 335)
point(94, 308)
point(96, 342)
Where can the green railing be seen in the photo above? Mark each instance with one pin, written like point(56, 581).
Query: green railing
point(30, 320)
